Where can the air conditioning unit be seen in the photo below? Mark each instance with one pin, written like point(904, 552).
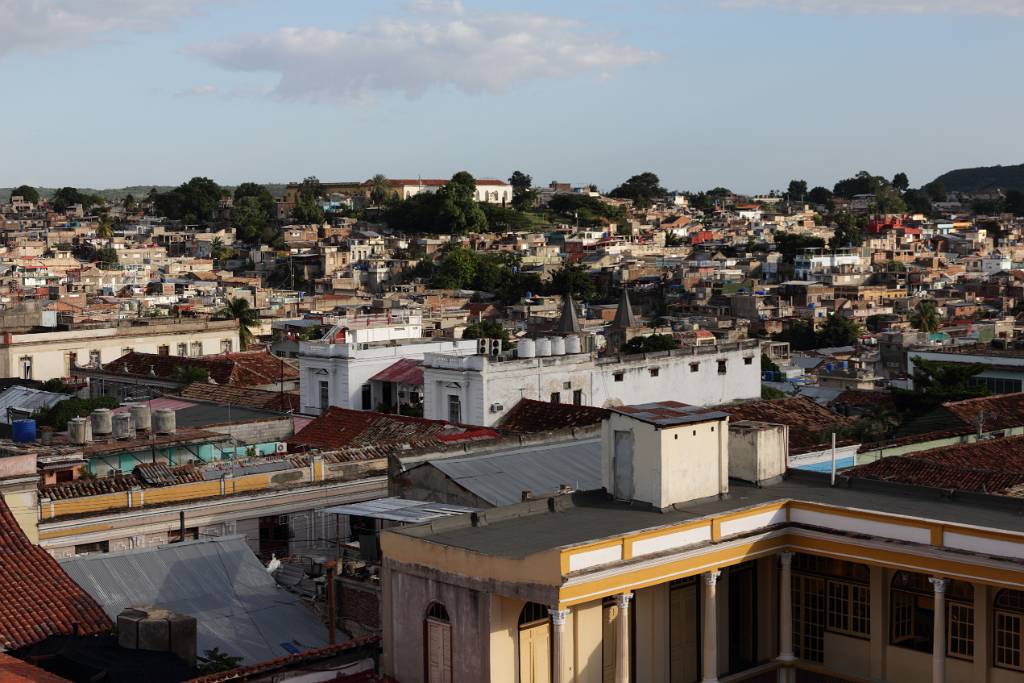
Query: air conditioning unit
point(497, 407)
point(280, 447)
point(114, 473)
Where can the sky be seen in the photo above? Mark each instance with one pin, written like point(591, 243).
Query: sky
point(745, 94)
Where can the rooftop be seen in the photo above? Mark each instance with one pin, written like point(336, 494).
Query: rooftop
point(670, 413)
point(244, 369)
point(529, 416)
point(808, 422)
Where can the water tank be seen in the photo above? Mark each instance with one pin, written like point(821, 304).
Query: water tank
point(23, 431)
point(164, 421)
point(101, 422)
point(526, 348)
point(141, 417)
point(124, 428)
point(543, 346)
point(79, 430)
point(573, 344)
point(557, 346)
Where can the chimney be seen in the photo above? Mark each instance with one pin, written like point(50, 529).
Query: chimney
point(159, 630)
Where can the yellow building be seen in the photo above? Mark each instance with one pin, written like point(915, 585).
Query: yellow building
point(667, 579)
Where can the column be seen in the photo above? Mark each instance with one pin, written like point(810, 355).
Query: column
point(939, 632)
point(622, 642)
point(710, 639)
point(785, 616)
point(557, 643)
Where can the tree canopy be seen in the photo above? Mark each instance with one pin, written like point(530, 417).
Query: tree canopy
point(453, 209)
point(26, 192)
point(797, 190)
point(585, 210)
point(650, 344)
point(69, 196)
point(195, 201)
point(485, 329)
point(644, 189)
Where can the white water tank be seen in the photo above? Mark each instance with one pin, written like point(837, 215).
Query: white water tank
point(141, 417)
point(164, 421)
point(101, 424)
point(573, 344)
point(543, 346)
point(526, 348)
point(557, 346)
point(124, 428)
point(79, 430)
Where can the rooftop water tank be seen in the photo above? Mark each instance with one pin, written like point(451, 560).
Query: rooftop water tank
point(573, 344)
point(543, 347)
point(23, 431)
point(557, 346)
point(124, 428)
point(164, 421)
point(101, 422)
point(79, 430)
point(526, 348)
point(141, 417)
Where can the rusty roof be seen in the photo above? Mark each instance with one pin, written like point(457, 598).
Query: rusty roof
point(528, 416)
point(244, 369)
point(808, 422)
point(341, 428)
point(403, 371)
point(263, 399)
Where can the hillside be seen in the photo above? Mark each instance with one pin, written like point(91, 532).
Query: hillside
point(983, 178)
point(137, 191)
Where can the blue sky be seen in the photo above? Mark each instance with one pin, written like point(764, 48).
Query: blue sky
point(741, 93)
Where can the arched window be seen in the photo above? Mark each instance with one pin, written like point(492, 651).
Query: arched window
point(912, 615)
point(438, 650)
point(534, 644)
point(1008, 621)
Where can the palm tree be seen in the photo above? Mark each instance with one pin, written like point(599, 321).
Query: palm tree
point(105, 230)
point(216, 248)
point(926, 317)
point(379, 189)
point(239, 309)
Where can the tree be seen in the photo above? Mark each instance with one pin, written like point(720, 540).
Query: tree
point(308, 211)
point(457, 270)
point(58, 415)
point(459, 210)
point(573, 279)
point(67, 197)
point(217, 661)
point(876, 423)
point(821, 196)
point(239, 309)
point(838, 331)
point(862, 183)
point(523, 195)
point(1014, 202)
point(128, 203)
point(800, 335)
point(261, 194)
point(585, 210)
point(797, 190)
point(935, 190)
point(195, 201)
point(26, 192)
point(249, 218)
point(926, 317)
point(936, 382)
point(485, 329)
point(918, 201)
point(380, 189)
point(310, 188)
point(848, 232)
point(900, 182)
point(650, 344)
point(644, 189)
point(888, 200)
point(106, 255)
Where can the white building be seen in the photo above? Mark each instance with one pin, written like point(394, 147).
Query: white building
point(337, 371)
point(476, 389)
point(490, 191)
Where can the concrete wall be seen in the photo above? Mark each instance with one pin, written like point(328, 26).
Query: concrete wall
point(757, 451)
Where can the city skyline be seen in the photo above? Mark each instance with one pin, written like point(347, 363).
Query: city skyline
point(741, 93)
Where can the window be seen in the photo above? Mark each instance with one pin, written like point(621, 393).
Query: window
point(182, 350)
point(809, 617)
point(618, 376)
point(94, 358)
point(721, 367)
point(960, 631)
point(654, 371)
point(556, 397)
point(849, 608)
point(1008, 615)
point(912, 599)
point(26, 367)
point(439, 645)
point(454, 409)
point(197, 348)
point(694, 367)
point(748, 360)
point(577, 397)
point(997, 385)
point(567, 385)
point(164, 350)
point(325, 395)
point(225, 346)
point(835, 597)
point(88, 548)
point(367, 397)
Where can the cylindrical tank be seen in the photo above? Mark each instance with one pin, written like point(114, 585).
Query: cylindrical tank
point(101, 422)
point(573, 344)
point(543, 346)
point(23, 431)
point(79, 430)
point(46, 436)
point(124, 428)
point(164, 421)
point(527, 348)
point(141, 417)
point(557, 346)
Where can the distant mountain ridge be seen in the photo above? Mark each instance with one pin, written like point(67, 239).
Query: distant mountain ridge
point(115, 195)
point(983, 178)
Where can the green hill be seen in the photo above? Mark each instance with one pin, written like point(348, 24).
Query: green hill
point(983, 178)
point(138, 191)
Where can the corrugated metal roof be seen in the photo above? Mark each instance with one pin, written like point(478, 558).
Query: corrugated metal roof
point(27, 400)
point(238, 606)
point(400, 510)
point(500, 478)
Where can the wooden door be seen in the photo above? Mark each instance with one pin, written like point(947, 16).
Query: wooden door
point(684, 653)
point(609, 641)
point(439, 652)
point(535, 652)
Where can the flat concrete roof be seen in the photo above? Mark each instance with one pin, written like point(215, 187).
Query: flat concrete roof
point(534, 526)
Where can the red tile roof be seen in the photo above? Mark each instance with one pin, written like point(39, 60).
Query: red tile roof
point(996, 412)
point(404, 371)
point(37, 598)
point(243, 369)
point(99, 485)
point(264, 399)
point(16, 671)
point(537, 416)
point(340, 428)
point(808, 422)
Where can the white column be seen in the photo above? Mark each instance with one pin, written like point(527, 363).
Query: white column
point(710, 639)
point(557, 643)
point(939, 633)
point(622, 642)
point(785, 615)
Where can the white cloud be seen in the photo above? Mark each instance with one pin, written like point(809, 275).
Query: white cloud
point(198, 91)
point(438, 44)
point(1006, 8)
point(45, 24)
